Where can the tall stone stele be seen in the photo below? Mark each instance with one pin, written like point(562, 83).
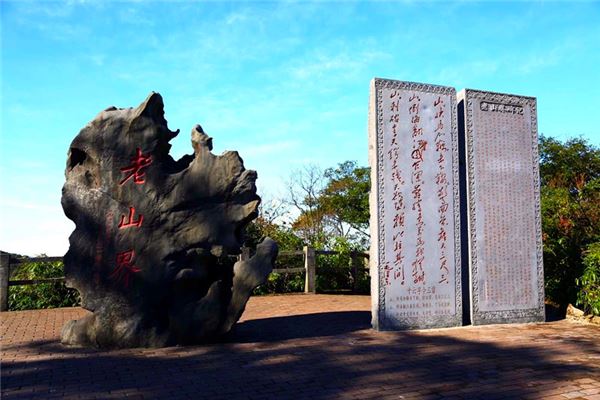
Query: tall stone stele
point(506, 271)
point(153, 253)
point(415, 218)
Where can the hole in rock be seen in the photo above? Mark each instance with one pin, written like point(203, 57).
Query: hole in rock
point(77, 157)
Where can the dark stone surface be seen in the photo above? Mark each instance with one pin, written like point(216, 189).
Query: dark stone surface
point(153, 251)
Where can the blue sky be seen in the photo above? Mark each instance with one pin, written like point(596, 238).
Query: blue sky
point(284, 83)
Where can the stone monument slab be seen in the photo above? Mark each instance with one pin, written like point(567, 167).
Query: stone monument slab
point(503, 195)
point(415, 221)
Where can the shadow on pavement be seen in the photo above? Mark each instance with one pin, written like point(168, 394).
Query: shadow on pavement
point(316, 356)
point(300, 326)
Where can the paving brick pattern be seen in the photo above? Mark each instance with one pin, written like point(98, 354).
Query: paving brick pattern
point(308, 347)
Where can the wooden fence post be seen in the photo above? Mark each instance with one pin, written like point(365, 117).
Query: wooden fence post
point(4, 276)
point(310, 265)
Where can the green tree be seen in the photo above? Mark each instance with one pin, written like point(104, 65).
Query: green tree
point(345, 198)
point(331, 204)
point(271, 222)
point(304, 189)
point(570, 178)
point(333, 208)
point(331, 211)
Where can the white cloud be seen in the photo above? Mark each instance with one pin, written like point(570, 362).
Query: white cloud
point(62, 31)
point(97, 59)
point(236, 17)
point(335, 64)
point(266, 149)
point(133, 16)
point(20, 207)
point(23, 112)
point(462, 73)
point(45, 9)
point(34, 228)
point(543, 59)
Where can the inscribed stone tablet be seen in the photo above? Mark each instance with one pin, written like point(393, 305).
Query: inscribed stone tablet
point(506, 271)
point(415, 232)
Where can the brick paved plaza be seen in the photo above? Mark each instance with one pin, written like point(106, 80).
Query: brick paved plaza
point(308, 347)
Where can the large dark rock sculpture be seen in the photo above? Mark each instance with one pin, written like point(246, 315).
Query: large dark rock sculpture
point(153, 251)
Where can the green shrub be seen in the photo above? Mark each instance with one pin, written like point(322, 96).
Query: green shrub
point(284, 283)
point(363, 281)
point(335, 272)
point(43, 295)
point(589, 283)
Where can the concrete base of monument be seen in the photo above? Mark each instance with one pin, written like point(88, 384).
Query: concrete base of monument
point(508, 316)
point(383, 322)
point(389, 324)
point(490, 320)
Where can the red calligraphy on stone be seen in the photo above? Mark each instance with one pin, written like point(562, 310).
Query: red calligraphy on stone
point(441, 146)
point(130, 222)
point(387, 269)
point(418, 156)
point(417, 131)
point(396, 271)
point(135, 169)
point(124, 268)
point(442, 183)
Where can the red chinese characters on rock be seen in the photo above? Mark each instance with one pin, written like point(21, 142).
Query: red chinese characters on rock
point(441, 181)
point(125, 266)
point(396, 271)
point(418, 157)
point(134, 170)
point(130, 222)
